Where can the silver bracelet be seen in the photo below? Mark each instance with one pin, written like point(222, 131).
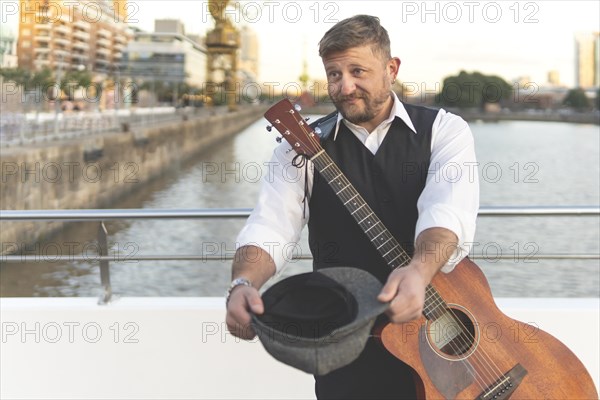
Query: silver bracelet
point(235, 283)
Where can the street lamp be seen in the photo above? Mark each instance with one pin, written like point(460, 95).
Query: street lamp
point(117, 89)
point(58, 93)
point(116, 93)
point(80, 68)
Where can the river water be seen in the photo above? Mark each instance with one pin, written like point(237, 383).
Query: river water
point(520, 163)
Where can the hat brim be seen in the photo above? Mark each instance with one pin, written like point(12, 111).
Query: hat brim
point(321, 355)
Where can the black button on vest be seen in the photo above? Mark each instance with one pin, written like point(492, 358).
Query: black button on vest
point(390, 182)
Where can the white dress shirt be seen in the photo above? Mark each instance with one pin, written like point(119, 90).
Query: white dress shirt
point(449, 200)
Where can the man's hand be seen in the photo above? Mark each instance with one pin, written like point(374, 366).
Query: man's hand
point(405, 288)
point(243, 300)
point(257, 266)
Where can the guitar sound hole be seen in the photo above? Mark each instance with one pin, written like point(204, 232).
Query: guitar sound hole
point(453, 333)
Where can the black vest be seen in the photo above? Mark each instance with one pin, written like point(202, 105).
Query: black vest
point(390, 182)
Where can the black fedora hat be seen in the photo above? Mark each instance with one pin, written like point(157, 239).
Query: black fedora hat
point(319, 321)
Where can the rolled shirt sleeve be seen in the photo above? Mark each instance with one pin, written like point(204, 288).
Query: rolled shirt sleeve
point(277, 221)
point(450, 198)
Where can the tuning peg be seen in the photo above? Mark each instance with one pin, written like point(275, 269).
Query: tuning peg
point(318, 130)
point(278, 139)
point(297, 107)
point(307, 118)
point(269, 127)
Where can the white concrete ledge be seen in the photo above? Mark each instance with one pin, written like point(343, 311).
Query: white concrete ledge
point(157, 348)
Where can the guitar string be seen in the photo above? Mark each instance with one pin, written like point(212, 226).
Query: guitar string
point(406, 259)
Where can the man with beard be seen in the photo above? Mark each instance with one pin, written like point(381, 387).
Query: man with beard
point(415, 168)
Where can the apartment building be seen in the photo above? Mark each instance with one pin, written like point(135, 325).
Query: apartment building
point(70, 35)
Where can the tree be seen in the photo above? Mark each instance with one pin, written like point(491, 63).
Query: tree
point(43, 80)
point(19, 76)
point(577, 99)
point(39, 82)
point(473, 90)
point(73, 80)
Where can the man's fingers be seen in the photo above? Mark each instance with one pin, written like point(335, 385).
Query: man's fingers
point(243, 301)
point(404, 293)
point(390, 289)
point(255, 302)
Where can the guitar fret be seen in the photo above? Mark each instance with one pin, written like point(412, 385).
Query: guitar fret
point(364, 204)
point(435, 306)
point(382, 232)
point(365, 218)
point(394, 259)
point(337, 176)
point(377, 223)
point(430, 304)
point(349, 200)
point(383, 244)
point(389, 251)
point(327, 166)
point(342, 189)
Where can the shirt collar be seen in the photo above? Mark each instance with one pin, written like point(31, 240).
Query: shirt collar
point(398, 110)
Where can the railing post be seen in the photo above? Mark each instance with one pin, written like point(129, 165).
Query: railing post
point(104, 264)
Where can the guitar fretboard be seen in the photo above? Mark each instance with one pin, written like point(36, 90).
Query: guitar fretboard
point(385, 243)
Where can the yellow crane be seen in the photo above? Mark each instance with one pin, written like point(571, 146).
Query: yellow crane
point(222, 44)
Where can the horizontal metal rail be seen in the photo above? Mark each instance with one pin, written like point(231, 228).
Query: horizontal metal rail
point(49, 258)
point(104, 258)
point(118, 214)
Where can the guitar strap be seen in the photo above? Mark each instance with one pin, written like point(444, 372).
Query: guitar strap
point(326, 125)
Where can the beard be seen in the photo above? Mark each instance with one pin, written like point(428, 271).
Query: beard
point(365, 107)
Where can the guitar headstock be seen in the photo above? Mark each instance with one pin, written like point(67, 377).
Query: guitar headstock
point(293, 128)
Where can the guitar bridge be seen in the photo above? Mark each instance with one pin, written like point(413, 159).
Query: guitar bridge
point(504, 387)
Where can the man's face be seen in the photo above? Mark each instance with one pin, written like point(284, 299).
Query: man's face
point(359, 82)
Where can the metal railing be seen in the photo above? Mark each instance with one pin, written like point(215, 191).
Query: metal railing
point(130, 214)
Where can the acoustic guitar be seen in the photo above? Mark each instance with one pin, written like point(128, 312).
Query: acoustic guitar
point(462, 346)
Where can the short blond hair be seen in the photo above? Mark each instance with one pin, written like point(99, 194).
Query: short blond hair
point(360, 30)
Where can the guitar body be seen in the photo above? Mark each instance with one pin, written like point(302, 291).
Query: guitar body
point(540, 366)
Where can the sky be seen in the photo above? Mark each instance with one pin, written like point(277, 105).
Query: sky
point(433, 39)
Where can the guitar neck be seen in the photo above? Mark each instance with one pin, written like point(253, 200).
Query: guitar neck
point(385, 243)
